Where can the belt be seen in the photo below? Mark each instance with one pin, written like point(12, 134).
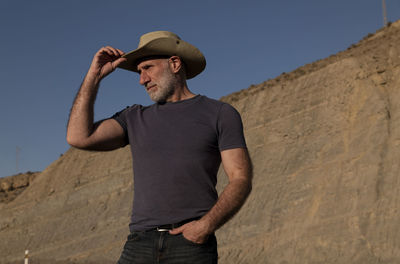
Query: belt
point(167, 227)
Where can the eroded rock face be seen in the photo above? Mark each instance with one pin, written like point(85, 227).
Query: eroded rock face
point(325, 147)
point(11, 187)
point(325, 143)
point(75, 211)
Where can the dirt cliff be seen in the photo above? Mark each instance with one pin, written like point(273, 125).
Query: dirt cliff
point(11, 187)
point(325, 143)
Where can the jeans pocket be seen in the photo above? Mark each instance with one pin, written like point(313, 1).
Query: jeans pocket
point(191, 242)
point(133, 237)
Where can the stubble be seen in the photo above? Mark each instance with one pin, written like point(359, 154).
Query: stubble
point(165, 87)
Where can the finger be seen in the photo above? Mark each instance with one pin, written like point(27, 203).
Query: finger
point(177, 230)
point(107, 51)
point(110, 52)
point(114, 51)
point(120, 52)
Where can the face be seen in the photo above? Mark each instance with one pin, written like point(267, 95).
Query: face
point(158, 79)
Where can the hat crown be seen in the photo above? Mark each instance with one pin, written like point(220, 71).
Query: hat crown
point(166, 43)
point(146, 38)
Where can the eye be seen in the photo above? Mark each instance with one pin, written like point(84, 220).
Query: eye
point(144, 67)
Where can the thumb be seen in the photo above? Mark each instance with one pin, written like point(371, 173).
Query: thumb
point(177, 230)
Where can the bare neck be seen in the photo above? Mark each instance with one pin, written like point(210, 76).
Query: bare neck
point(181, 92)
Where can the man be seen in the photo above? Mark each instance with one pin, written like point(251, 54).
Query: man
point(177, 146)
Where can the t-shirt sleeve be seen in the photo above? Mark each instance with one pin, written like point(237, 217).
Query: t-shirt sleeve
point(120, 117)
point(230, 128)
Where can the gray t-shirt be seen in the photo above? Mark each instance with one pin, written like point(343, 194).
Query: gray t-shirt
point(176, 155)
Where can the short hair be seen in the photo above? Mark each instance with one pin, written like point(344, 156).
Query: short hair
point(155, 57)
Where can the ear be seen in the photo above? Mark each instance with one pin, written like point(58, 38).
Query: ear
point(175, 64)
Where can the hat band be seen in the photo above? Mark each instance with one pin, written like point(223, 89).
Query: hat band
point(152, 57)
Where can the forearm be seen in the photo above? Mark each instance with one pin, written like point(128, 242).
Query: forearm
point(228, 204)
point(81, 119)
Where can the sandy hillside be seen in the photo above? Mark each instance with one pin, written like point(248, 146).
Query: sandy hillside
point(325, 143)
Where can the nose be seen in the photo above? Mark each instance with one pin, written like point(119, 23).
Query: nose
point(144, 78)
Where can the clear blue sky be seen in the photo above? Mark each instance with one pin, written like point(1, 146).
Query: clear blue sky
point(47, 47)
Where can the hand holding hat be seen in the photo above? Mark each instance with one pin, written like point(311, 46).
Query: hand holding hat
point(165, 43)
point(105, 61)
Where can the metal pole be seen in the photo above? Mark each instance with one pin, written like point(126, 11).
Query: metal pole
point(385, 22)
point(26, 257)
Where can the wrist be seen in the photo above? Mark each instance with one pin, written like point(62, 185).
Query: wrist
point(93, 78)
point(207, 224)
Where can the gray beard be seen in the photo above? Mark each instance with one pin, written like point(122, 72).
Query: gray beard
point(165, 88)
point(162, 94)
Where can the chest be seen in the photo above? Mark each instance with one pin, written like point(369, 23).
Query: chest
point(173, 131)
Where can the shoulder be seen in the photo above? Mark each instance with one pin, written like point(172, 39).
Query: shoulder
point(218, 108)
point(130, 109)
point(215, 104)
point(206, 100)
point(134, 107)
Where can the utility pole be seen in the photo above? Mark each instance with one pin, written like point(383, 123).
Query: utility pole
point(385, 22)
point(17, 151)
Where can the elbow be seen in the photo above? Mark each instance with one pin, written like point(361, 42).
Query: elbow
point(73, 142)
point(69, 140)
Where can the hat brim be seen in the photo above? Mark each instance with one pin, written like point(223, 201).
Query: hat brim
point(192, 57)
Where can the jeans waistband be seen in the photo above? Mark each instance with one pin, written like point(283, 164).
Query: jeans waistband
point(167, 227)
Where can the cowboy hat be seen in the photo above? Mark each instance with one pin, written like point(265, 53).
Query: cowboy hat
point(165, 43)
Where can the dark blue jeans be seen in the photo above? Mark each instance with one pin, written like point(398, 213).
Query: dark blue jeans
point(161, 247)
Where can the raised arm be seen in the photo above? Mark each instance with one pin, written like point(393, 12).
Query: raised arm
point(82, 132)
point(237, 166)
